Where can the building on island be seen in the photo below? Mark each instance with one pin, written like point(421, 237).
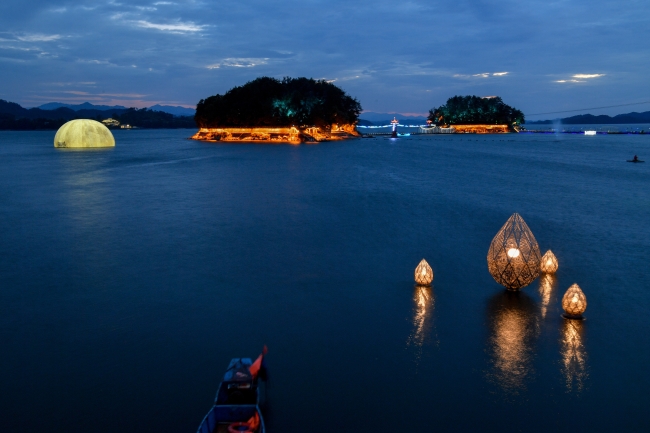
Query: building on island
point(111, 122)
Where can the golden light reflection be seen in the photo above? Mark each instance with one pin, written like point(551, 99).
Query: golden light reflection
point(514, 329)
point(574, 355)
point(547, 283)
point(424, 305)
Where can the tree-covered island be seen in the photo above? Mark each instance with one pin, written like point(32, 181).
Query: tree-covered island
point(267, 109)
point(476, 110)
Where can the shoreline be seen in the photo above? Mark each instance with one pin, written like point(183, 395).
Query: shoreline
point(289, 134)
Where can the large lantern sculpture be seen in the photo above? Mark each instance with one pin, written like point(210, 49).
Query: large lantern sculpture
point(574, 303)
point(549, 263)
point(423, 273)
point(514, 257)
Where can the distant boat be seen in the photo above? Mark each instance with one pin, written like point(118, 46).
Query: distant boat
point(590, 132)
point(236, 406)
point(634, 160)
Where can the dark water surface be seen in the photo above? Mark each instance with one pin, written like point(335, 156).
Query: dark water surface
point(129, 277)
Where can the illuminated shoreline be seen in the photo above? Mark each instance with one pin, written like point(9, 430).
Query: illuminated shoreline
point(276, 134)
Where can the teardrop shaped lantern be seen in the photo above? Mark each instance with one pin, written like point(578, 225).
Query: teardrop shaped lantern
point(423, 273)
point(574, 302)
point(549, 263)
point(514, 257)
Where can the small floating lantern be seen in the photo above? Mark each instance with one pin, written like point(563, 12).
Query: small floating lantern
point(514, 257)
point(574, 303)
point(549, 263)
point(423, 273)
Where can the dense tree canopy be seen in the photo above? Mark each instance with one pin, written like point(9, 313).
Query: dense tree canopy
point(146, 118)
point(270, 102)
point(473, 110)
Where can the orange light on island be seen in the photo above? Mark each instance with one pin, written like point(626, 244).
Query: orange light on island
point(290, 134)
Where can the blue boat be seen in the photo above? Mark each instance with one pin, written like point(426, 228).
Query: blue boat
point(236, 406)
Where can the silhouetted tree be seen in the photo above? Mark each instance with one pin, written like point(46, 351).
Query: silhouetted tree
point(267, 101)
point(472, 110)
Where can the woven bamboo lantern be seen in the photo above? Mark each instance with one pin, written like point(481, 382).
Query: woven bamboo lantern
point(574, 303)
point(549, 263)
point(423, 273)
point(514, 257)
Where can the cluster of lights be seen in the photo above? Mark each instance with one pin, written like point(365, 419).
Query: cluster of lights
point(514, 262)
point(390, 126)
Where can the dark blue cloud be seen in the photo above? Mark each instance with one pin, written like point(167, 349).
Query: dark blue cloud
point(405, 57)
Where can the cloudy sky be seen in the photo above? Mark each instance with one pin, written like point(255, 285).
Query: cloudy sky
point(394, 56)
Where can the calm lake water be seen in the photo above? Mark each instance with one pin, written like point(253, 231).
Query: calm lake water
point(129, 277)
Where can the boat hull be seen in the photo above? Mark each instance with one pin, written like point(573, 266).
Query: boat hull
point(220, 417)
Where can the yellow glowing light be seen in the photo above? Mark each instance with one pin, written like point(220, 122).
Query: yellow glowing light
point(513, 257)
point(83, 133)
point(481, 129)
point(574, 302)
point(549, 263)
point(423, 273)
point(513, 252)
point(277, 134)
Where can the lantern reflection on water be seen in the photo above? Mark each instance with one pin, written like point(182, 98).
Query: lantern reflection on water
point(574, 355)
point(549, 263)
point(424, 301)
point(546, 285)
point(423, 273)
point(574, 302)
point(514, 257)
point(513, 330)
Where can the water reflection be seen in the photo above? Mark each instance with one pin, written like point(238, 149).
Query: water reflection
point(574, 355)
point(423, 329)
point(514, 328)
point(85, 188)
point(547, 282)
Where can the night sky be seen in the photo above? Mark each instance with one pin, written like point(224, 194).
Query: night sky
point(408, 56)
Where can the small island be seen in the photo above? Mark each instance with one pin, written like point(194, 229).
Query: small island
point(269, 110)
point(475, 114)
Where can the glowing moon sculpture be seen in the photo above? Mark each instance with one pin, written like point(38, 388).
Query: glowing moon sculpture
point(423, 273)
point(574, 302)
point(514, 258)
point(549, 263)
point(83, 133)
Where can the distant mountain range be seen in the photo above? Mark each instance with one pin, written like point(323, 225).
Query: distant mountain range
point(370, 118)
point(171, 109)
point(15, 117)
point(590, 119)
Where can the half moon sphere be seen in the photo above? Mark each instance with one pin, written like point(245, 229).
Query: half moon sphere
point(83, 133)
